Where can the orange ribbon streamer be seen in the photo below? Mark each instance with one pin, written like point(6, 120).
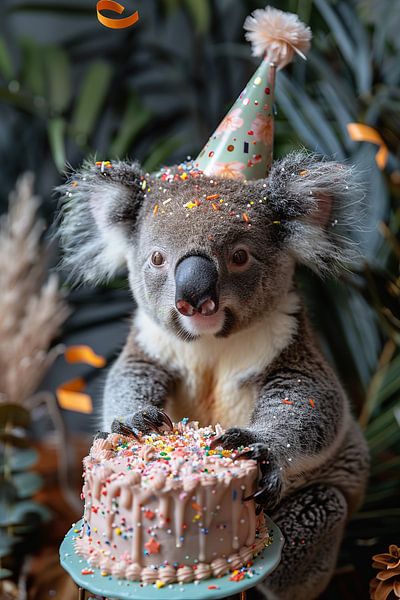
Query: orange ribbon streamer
point(118, 8)
point(364, 133)
point(84, 354)
point(70, 394)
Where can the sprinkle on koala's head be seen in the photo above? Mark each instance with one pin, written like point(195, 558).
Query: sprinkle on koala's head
point(206, 255)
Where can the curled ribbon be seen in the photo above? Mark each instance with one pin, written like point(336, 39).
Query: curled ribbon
point(71, 397)
point(84, 354)
point(364, 133)
point(118, 8)
point(70, 394)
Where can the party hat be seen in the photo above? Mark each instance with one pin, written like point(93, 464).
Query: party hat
point(242, 145)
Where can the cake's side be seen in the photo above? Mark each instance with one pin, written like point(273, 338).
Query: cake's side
point(168, 508)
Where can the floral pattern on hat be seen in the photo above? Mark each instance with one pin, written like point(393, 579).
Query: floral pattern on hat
point(229, 170)
point(262, 127)
point(231, 122)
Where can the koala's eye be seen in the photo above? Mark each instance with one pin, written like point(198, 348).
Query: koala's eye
point(157, 259)
point(240, 257)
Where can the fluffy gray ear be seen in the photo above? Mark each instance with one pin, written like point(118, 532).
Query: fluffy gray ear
point(314, 201)
point(101, 203)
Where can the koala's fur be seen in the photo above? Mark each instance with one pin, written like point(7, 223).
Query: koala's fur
point(260, 373)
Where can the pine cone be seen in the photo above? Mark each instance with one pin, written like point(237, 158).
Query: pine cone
point(386, 585)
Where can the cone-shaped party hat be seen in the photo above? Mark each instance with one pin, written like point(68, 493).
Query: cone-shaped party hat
point(241, 147)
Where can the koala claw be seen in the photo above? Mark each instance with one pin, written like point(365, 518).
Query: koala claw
point(124, 429)
point(143, 422)
point(270, 485)
point(101, 435)
point(232, 438)
point(156, 419)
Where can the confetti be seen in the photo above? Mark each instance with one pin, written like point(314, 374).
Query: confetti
point(117, 8)
point(152, 546)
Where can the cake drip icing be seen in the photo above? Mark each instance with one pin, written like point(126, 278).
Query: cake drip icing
point(166, 507)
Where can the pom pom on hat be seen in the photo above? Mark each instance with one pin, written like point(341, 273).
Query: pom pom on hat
point(277, 35)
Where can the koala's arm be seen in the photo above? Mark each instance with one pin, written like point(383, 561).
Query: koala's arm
point(301, 414)
point(299, 419)
point(134, 383)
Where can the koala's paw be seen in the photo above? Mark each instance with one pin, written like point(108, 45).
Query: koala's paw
point(143, 422)
point(101, 435)
point(233, 438)
point(269, 491)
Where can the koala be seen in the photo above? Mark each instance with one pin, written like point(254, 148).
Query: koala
point(220, 332)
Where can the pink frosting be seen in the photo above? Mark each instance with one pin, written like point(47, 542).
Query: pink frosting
point(147, 452)
point(81, 545)
point(106, 564)
point(102, 449)
point(184, 574)
point(133, 572)
point(94, 558)
point(246, 554)
point(149, 575)
point(234, 561)
point(259, 545)
point(202, 571)
point(118, 569)
point(219, 567)
point(167, 574)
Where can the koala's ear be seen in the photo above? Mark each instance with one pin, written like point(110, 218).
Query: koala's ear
point(101, 204)
point(314, 201)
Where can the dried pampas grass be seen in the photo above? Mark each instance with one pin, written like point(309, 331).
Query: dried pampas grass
point(32, 309)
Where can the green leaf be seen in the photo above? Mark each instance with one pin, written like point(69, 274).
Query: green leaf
point(56, 131)
point(390, 383)
point(32, 76)
point(161, 152)
point(6, 66)
point(306, 116)
point(335, 24)
point(200, 13)
point(18, 460)
point(384, 438)
point(14, 415)
point(7, 541)
point(90, 100)
point(8, 492)
point(27, 483)
point(17, 99)
point(4, 573)
point(134, 119)
point(58, 74)
point(24, 513)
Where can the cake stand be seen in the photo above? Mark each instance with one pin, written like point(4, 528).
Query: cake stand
point(93, 584)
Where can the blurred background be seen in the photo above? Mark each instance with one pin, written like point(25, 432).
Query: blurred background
point(71, 88)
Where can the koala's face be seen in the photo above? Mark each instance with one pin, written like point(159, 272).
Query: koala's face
point(206, 257)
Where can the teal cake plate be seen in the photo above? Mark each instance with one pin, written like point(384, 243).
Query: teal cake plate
point(122, 589)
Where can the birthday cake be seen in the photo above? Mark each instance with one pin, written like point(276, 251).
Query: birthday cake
point(166, 507)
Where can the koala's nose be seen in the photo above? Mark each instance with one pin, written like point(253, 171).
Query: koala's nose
point(196, 286)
